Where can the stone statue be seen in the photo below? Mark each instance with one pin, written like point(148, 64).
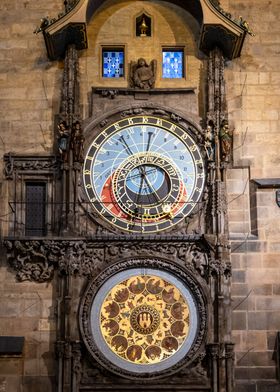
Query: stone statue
point(243, 23)
point(63, 140)
point(142, 75)
point(209, 143)
point(225, 140)
point(77, 142)
point(45, 22)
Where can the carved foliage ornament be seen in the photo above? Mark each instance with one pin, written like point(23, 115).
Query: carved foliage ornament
point(22, 164)
point(148, 322)
point(36, 260)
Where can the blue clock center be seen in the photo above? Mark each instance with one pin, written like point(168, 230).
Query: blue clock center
point(145, 179)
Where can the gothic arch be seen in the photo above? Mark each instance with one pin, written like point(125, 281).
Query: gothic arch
point(192, 6)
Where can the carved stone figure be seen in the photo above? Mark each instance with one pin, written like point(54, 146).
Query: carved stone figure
point(45, 22)
point(9, 166)
point(63, 140)
point(77, 142)
point(243, 23)
point(225, 138)
point(209, 142)
point(109, 93)
point(143, 75)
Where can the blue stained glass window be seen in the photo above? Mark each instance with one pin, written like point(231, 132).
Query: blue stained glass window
point(113, 63)
point(172, 63)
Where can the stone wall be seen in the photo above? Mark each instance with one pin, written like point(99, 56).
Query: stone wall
point(29, 94)
point(27, 310)
point(28, 101)
point(253, 83)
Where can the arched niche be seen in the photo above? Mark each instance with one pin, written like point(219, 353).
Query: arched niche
point(113, 27)
point(143, 24)
point(192, 6)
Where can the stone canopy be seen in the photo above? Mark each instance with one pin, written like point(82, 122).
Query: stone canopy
point(217, 27)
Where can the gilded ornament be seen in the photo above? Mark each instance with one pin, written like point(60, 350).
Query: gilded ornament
point(144, 319)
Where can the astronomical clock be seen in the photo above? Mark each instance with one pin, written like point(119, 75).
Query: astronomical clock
point(143, 174)
point(131, 209)
point(143, 179)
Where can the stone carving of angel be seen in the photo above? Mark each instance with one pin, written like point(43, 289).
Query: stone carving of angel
point(142, 75)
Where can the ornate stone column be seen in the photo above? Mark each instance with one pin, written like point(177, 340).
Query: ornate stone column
point(69, 120)
point(218, 142)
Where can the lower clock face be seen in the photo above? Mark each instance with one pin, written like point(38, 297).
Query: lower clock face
point(144, 321)
point(143, 174)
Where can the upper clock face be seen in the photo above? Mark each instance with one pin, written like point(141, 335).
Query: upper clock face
point(143, 174)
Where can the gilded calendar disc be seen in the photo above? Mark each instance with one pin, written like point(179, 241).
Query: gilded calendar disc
point(148, 326)
point(144, 320)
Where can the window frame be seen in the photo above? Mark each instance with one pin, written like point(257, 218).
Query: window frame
point(43, 233)
point(170, 48)
point(112, 48)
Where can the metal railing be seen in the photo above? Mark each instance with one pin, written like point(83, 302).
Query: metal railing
point(54, 219)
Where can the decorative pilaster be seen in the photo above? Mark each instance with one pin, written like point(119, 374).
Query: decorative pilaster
point(70, 138)
point(69, 110)
point(229, 356)
point(218, 140)
point(213, 350)
point(76, 366)
point(218, 149)
point(60, 354)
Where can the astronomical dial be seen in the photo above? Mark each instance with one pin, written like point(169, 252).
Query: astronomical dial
point(143, 174)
